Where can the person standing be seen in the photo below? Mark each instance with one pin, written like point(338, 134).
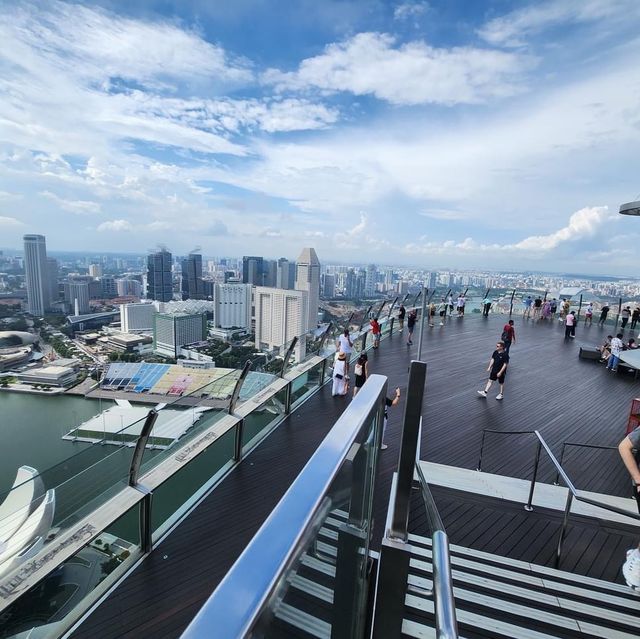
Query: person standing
point(486, 306)
point(570, 325)
point(450, 304)
point(554, 308)
point(442, 311)
point(616, 349)
point(537, 306)
point(588, 314)
point(627, 449)
point(375, 331)
point(460, 305)
point(340, 386)
point(361, 372)
point(432, 313)
point(604, 311)
point(388, 403)
point(497, 370)
point(345, 345)
point(625, 315)
point(411, 324)
point(508, 335)
point(635, 317)
point(402, 311)
point(528, 303)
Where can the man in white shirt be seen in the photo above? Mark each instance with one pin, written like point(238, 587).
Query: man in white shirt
point(616, 349)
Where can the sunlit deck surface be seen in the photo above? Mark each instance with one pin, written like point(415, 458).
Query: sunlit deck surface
point(548, 389)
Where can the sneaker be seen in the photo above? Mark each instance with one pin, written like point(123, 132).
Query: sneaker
point(483, 393)
point(499, 396)
point(631, 569)
point(383, 447)
point(441, 323)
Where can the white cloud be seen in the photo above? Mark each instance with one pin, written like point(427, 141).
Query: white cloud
point(410, 10)
point(80, 207)
point(9, 222)
point(115, 225)
point(408, 74)
point(513, 29)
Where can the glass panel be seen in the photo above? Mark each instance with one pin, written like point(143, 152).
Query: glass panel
point(304, 384)
point(51, 604)
point(187, 484)
point(259, 420)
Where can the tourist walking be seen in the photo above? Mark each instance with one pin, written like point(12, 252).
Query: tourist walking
point(361, 372)
point(432, 313)
point(616, 349)
point(635, 317)
point(450, 304)
point(604, 311)
point(627, 448)
point(345, 345)
point(554, 308)
point(570, 325)
point(546, 310)
point(442, 311)
point(388, 403)
point(402, 311)
point(460, 305)
point(588, 314)
point(528, 303)
point(340, 383)
point(411, 324)
point(508, 335)
point(497, 370)
point(625, 315)
point(375, 331)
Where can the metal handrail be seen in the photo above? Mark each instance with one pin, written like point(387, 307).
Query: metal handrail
point(571, 495)
point(565, 444)
point(238, 602)
point(502, 432)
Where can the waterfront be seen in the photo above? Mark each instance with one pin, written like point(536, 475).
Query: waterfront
point(32, 426)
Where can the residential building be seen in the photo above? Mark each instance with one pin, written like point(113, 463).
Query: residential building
point(137, 318)
point(308, 279)
point(109, 287)
point(128, 287)
point(77, 294)
point(371, 280)
point(95, 270)
point(36, 275)
point(171, 331)
point(281, 315)
point(232, 305)
point(159, 277)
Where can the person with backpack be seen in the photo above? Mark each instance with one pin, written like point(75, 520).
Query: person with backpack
point(411, 324)
point(508, 335)
point(361, 372)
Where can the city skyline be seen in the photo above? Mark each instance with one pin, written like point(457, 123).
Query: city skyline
point(434, 135)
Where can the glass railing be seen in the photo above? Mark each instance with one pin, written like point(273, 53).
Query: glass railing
point(324, 521)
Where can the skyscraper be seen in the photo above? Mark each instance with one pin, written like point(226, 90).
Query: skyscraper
point(308, 279)
point(52, 275)
point(252, 270)
point(78, 295)
point(159, 279)
point(192, 284)
point(232, 305)
point(280, 316)
point(37, 280)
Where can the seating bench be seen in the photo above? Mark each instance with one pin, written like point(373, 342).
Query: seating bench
point(590, 352)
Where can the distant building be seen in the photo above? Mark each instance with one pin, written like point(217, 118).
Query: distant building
point(61, 376)
point(308, 279)
point(192, 285)
point(171, 331)
point(402, 287)
point(286, 276)
point(253, 270)
point(329, 286)
point(126, 286)
point(52, 276)
point(36, 275)
point(371, 280)
point(77, 292)
point(108, 287)
point(159, 277)
point(281, 315)
point(270, 273)
point(128, 343)
point(95, 270)
point(137, 318)
point(232, 305)
point(433, 280)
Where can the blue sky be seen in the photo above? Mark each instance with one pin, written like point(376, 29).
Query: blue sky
point(471, 134)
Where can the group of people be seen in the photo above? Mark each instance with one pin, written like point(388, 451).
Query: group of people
point(611, 349)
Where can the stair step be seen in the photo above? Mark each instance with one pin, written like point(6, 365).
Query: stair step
point(309, 624)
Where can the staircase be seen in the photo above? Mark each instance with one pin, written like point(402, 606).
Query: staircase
point(499, 597)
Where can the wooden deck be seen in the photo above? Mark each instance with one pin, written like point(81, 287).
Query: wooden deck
point(548, 388)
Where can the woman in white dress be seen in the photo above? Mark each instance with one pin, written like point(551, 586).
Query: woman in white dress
point(339, 376)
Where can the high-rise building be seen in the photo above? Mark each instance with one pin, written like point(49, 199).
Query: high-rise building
point(371, 279)
point(126, 286)
point(137, 318)
point(270, 276)
point(95, 270)
point(78, 296)
point(37, 279)
point(286, 277)
point(329, 286)
point(308, 279)
point(232, 305)
point(433, 280)
point(281, 315)
point(192, 284)
point(172, 331)
point(159, 278)
point(252, 270)
point(52, 276)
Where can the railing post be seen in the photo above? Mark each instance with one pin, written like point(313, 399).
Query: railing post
point(238, 386)
point(141, 443)
point(557, 481)
point(287, 356)
point(237, 441)
point(511, 303)
point(563, 530)
point(484, 434)
point(287, 399)
point(408, 446)
point(323, 372)
point(391, 321)
point(422, 314)
point(146, 537)
point(528, 507)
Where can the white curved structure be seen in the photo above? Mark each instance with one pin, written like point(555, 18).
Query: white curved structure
point(17, 506)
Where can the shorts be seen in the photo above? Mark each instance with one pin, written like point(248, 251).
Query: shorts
point(359, 381)
point(494, 376)
point(443, 313)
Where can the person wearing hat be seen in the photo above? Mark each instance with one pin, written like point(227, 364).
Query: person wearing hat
point(339, 376)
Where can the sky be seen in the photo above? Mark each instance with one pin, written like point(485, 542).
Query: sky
point(440, 133)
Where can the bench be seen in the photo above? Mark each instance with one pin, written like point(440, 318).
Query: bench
point(590, 352)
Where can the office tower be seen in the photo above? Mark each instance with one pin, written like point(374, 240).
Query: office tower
point(52, 276)
point(159, 278)
point(350, 284)
point(286, 276)
point(108, 287)
point(232, 305)
point(370, 280)
point(78, 296)
point(281, 315)
point(95, 270)
point(308, 279)
point(192, 285)
point(433, 280)
point(36, 276)
point(402, 287)
point(137, 318)
point(252, 270)
point(270, 273)
point(172, 331)
point(388, 279)
point(126, 286)
point(329, 286)
point(229, 275)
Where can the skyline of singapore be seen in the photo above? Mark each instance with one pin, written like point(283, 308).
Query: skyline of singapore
point(432, 135)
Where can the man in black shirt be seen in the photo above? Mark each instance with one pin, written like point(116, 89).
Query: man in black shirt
point(604, 311)
point(497, 370)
